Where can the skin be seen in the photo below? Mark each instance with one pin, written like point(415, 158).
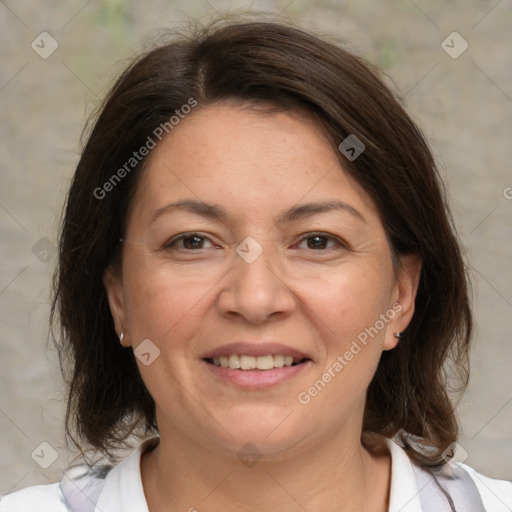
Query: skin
point(315, 295)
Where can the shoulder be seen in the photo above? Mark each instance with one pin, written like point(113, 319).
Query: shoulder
point(39, 498)
point(85, 489)
point(496, 494)
point(415, 488)
point(78, 491)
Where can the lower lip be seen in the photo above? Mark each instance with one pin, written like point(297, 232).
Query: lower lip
point(257, 379)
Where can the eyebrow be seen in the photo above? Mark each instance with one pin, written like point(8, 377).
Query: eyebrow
point(298, 212)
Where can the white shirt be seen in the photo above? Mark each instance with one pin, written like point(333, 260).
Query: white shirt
point(122, 491)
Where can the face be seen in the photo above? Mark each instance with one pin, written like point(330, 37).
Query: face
point(270, 254)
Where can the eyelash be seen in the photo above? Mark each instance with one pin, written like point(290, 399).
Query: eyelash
point(314, 234)
point(172, 243)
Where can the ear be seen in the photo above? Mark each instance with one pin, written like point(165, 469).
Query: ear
point(114, 287)
point(404, 295)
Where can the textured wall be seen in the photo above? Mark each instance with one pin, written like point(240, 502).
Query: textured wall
point(464, 104)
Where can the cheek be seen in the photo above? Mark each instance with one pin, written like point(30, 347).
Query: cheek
point(346, 307)
point(163, 304)
point(168, 309)
point(347, 301)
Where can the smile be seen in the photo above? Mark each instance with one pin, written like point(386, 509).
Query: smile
point(247, 362)
point(253, 373)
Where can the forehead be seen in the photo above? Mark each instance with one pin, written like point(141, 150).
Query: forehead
point(239, 155)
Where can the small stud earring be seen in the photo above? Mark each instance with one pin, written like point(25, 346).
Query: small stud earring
point(121, 336)
point(397, 335)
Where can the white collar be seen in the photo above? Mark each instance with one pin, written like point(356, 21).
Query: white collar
point(404, 495)
point(123, 489)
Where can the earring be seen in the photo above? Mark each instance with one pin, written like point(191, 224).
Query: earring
point(397, 335)
point(121, 336)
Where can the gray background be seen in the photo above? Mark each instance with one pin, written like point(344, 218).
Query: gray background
point(464, 105)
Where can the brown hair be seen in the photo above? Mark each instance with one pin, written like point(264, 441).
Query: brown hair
point(269, 63)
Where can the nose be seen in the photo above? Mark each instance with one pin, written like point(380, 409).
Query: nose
point(257, 290)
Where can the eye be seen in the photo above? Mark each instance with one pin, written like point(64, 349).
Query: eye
point(191, 241)
point(319, 241)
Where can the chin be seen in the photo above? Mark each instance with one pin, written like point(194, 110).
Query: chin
point(261, 437)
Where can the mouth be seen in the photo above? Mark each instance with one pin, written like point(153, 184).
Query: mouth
point(262, 363)
point(255, 365)
point(255, 373)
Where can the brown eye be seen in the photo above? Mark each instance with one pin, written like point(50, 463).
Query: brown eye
point(320, 241)
point(190, 241)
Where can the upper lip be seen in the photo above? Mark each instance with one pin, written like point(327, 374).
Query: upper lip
point(255, 349)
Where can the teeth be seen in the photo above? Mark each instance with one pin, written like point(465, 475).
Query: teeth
point(244, 362)
point(233, 361)
point(247, 362)
point(278, 361)
point(264, 362)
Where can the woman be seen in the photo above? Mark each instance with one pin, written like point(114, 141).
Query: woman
point(257, 263)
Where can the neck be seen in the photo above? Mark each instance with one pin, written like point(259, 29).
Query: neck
point(336, 474)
